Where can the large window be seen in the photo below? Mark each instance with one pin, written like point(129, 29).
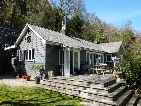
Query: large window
point(28, 54)
point(108, 57)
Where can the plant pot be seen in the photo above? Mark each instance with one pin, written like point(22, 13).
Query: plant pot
point(37, 80)
point(23, 76)
point(118, 74)
point(27, 77)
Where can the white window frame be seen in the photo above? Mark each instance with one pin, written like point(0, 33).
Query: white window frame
point(28, 55)
point(19, 55)
point(78, 51)
point(60, 57)
point(106, 57)
point(92, 61)
point(101, 56)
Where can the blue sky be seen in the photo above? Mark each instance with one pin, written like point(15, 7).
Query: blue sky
point(117, 12)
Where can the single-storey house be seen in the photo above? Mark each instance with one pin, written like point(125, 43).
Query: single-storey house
point(60, 53)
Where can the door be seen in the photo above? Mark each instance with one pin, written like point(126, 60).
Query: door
point(76, 61)
point(61, 62)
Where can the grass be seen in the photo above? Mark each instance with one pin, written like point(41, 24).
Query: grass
point(22, 96)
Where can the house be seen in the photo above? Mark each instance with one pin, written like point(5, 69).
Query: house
point(113, 52)
point(57, 52)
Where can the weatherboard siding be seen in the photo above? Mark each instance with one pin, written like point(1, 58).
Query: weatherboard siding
point(82, 57)
point(39, 51)
point(52, 59)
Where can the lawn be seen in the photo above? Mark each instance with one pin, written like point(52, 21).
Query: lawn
point(22, 96)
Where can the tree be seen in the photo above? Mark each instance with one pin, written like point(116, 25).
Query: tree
point(126, 37)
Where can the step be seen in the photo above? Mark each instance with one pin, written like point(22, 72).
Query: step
point(124, 98)
point(104, 83)
point(139, 102)
point(102, 95)
point(118, 93)
point(108, 83)
point(113, 87)
point(133, 101)
point(103, 102)
point(108, 89)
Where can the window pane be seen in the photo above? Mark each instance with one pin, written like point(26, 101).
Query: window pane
point(75, 59)
point(102, 59)
point(61, 57)
point(109, 58)
point(29, 55)
point(90, 61)
point(87, 57)
point(32, 53)
point(26, 56)
point(20, 55)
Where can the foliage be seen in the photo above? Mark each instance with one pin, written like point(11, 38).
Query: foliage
point(50, 15)
point(98, 36)
point(75, 26)
point(118, 68)
point(132, 69)
point(38, 68)
point(135, 46)
point(19, 96)
point(126, 37)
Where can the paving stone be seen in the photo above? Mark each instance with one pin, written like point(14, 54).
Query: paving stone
point(96, 90)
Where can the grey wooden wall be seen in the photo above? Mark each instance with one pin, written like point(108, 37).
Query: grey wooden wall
point(52, 59)
point(39, 51)
point(82, 57)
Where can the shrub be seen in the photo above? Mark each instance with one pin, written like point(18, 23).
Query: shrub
point(132, 67)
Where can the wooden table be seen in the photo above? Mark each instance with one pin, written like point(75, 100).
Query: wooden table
point(98, 70)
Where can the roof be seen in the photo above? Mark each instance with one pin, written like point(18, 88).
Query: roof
point(56, 37)
point(50, 36)
point(111, 47)
point(91, 45)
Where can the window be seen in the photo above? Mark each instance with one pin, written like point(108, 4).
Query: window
point(108, 58)
point(28, 54)
point(61, 57)
point(28, 39)
point(19, 54)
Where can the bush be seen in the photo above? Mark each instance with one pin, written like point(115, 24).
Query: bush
point(132, 67)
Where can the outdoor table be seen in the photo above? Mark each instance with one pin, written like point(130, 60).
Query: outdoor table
point(98, 70)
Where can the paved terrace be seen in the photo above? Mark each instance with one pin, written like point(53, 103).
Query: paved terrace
point(11, 81)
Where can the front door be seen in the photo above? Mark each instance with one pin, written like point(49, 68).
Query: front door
point(67, 61)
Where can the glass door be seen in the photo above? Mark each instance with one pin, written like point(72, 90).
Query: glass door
point(76, 61)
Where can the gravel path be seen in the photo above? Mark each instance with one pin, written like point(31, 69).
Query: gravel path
point(11, 81)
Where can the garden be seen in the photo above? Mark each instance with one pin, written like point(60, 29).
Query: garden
point(20, 96)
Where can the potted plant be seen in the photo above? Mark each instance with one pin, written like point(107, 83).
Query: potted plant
point(27, 77)
point(38, 70)
point(118, 72)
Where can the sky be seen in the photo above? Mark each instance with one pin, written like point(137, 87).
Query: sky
point(116, 12)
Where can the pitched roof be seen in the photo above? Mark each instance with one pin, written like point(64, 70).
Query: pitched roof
point(94, 46)
point(61, 39)
point(111, 47)
point(56, 37)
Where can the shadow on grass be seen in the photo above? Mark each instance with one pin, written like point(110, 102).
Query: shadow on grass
point(56, 99)
point(32, 102)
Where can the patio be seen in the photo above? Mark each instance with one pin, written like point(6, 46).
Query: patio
point(94, 90)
